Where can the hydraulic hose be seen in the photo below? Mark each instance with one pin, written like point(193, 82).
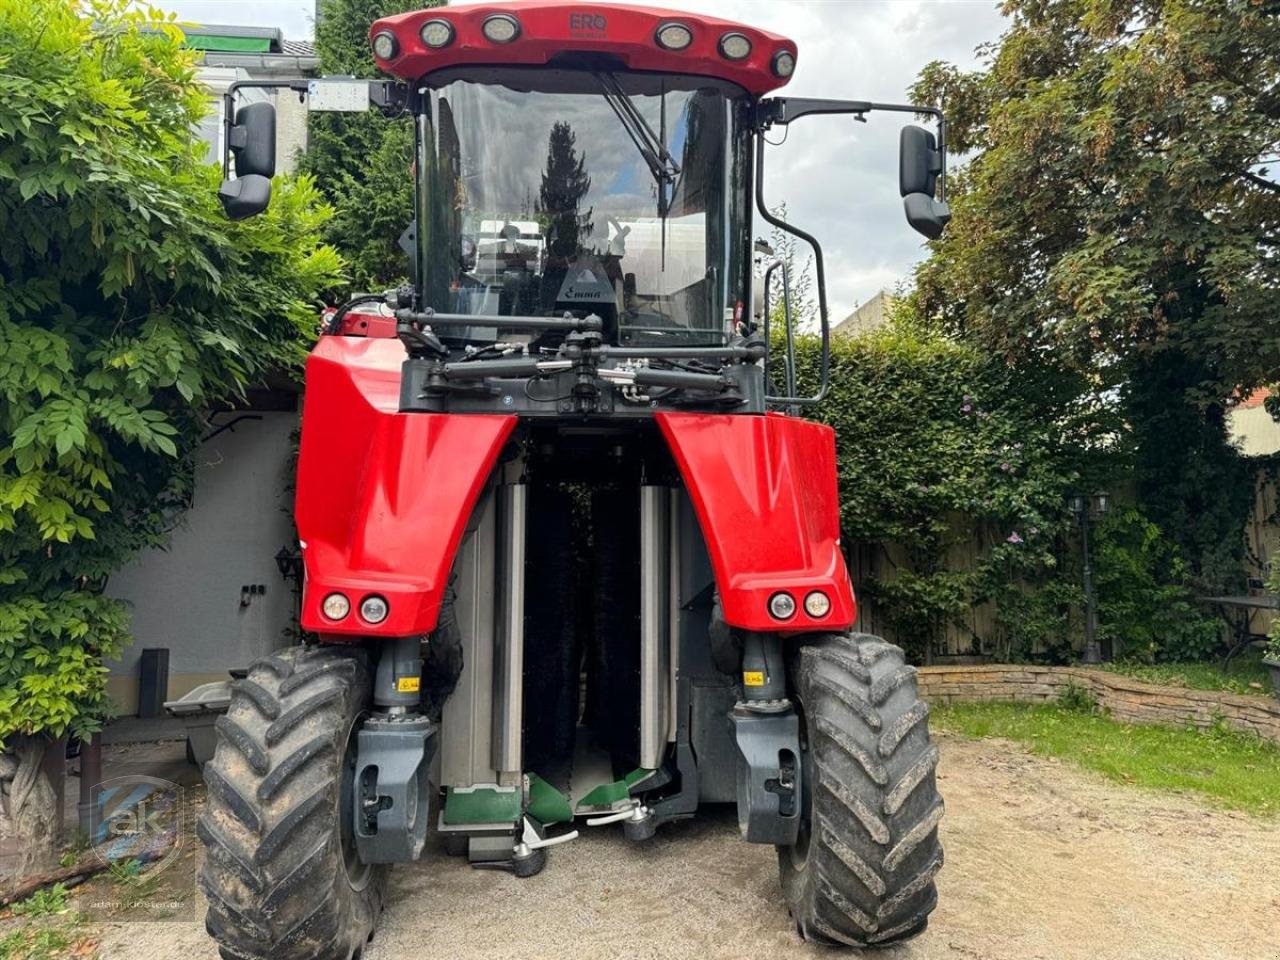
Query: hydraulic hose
point(335, 322)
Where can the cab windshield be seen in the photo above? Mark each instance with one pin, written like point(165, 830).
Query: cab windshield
point(550, 191)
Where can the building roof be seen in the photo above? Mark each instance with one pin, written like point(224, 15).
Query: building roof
point(1255, 399)
point(225, 42)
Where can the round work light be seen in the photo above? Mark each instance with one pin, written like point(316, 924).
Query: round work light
point(374, 609)
point(817, 604)
point(385, 45)
point(735, 46)
point(784, 63)
point(673, 36)
point(336, 606)
point(501, 28)
point(782, 606)
point(437, 33)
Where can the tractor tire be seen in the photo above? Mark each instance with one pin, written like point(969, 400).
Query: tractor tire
point(861, 873)
point(281, 873)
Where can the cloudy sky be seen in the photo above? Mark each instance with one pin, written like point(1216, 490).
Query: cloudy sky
point(837, 177)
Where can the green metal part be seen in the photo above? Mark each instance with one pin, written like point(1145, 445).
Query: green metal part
point(547, 805)
point(482, 805)
point(608, 794)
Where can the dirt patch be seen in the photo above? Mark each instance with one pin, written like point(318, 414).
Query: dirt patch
point(1043, 861)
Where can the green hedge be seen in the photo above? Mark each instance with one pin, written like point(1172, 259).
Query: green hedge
point(954, 473)
point(940, 455)
point(128, 305)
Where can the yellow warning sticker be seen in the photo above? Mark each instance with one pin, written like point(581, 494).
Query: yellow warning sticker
point(408, 684)
point(753, 678)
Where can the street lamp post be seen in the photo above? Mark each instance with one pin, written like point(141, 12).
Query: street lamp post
point(1086, 509)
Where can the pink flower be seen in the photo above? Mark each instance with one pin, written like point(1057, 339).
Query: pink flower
point(1014, 538)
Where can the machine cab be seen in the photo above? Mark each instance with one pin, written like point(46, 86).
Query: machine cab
point(593, 168)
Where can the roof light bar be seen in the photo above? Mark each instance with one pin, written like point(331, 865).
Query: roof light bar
point(437, 33)
point(500, 28)
point(735, 46)
point(385, 45)
point(673, 36)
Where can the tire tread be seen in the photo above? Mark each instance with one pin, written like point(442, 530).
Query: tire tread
point(874, 853)
point(274, 874)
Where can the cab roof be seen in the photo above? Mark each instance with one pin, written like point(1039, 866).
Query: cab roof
point(548, 29)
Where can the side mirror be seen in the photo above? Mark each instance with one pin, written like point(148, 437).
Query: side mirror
point(925, 214)
point(919, 164)
point(245, 196)
point(253, 140)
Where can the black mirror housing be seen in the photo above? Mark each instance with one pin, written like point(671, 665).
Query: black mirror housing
point(925, 214)
point(919, 162)
point(252, 140)
point(245, 196)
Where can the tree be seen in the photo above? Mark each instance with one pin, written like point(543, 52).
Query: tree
point(362, 161)
point(565, 182)
point(1118, 218)
point(128, 305)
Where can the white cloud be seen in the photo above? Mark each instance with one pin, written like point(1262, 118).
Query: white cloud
point(295, 17)
point(837, 177)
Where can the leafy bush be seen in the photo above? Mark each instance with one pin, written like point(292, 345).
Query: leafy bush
point(1146, 607)
point(939, 448)
point(128, 303)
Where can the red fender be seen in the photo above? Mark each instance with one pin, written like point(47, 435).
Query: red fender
point(764, 490)
point(383, 497)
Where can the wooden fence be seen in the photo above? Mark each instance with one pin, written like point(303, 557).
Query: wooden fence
point(978, 633)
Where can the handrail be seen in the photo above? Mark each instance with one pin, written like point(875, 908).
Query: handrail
point(824, 374)
point(790, 364)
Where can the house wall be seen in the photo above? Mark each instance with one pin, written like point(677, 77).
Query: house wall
point(872, 315)
point(1253, 430)
point(188, 597)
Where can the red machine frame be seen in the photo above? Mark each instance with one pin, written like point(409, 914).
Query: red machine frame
point(384, 497)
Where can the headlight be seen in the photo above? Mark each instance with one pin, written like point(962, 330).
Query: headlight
point(437, 33)
point(374, 609)
point(784, 63)
point(674, 36)
point(336, 606)
point(501, 28)
point(385, 45)
point(735, 46)
point(817, 604)
point(782, 606)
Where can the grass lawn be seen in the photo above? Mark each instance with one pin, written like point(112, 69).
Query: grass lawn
point(1229, 769)
point(1246, 674)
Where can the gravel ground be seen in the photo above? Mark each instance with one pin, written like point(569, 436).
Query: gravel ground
point(1043, 861)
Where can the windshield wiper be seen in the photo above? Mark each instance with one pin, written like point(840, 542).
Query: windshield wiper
point(657, 158)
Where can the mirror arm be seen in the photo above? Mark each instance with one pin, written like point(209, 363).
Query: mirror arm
point(389, 96)
point(779, 111)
